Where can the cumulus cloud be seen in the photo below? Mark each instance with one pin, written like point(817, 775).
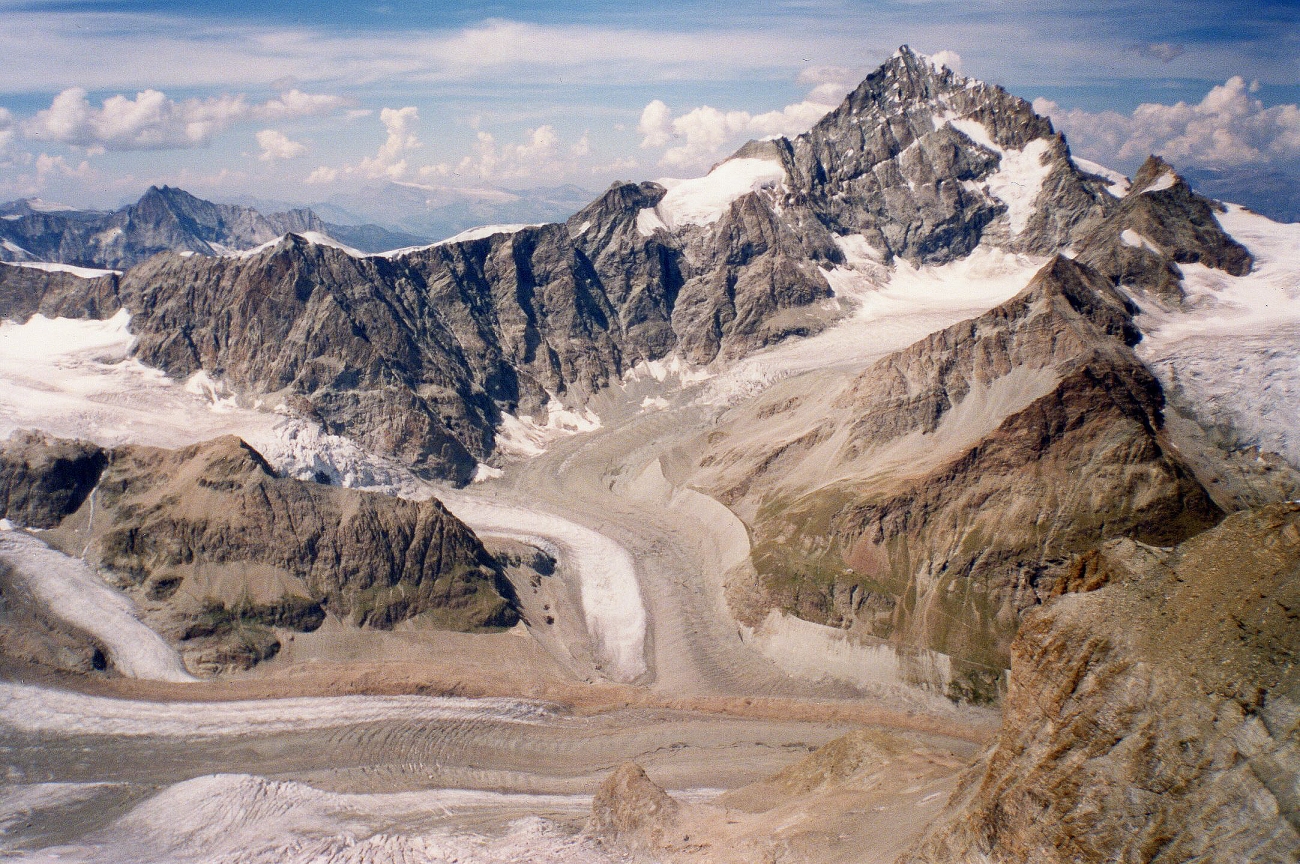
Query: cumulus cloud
point(323, 174)
point(390, 161)
point(154, 121)
point(276, 145)
point(537, 154)
point(1229, 127)
point(698, 136)
point(7, 130)
point(951, 59)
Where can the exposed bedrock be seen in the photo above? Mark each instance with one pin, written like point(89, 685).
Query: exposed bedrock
point(1156, 719)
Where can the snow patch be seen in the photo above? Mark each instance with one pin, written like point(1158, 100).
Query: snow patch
point(73, 592)
point(672, 366)
point(1018, 181)
point(50, 267)
point(523, 437)
point(654, 403)
point(1163, 182)
point(703, 200)
point(484, 473)
point(15, 249)
point(40, 206)
point(1119, 184)
point(648, 222)
point(1129, 237)
point(892, 310)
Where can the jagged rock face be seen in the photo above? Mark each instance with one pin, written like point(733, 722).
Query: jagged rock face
point(1156, 719)
point(370, 559)
point(935, 496)
point(906, 161)
point(44, 479)
point(214, 532)
point(359, 338)
point(417, 356)
point(26, 291)
point(1160, 224)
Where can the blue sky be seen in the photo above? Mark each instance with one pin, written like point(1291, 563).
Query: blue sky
point(300, 101)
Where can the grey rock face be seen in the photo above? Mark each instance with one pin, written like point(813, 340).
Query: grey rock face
point(25, 291)
point(164, 220)
point(1160, 224)
point(890, 164)
point(418, 355)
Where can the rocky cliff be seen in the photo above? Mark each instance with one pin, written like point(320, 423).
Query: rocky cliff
point(226, 549)
point(1156, 719)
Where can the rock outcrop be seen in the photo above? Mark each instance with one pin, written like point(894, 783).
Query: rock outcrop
point(938, 494)
point(1156, 719)
point(1160, 224)
point(228, 550)
point(632, 810)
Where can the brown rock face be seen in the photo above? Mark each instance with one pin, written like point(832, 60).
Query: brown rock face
point(228, 550)
point(1156, 719)
point(934, 497)
point(371, 559)
point(44, 479)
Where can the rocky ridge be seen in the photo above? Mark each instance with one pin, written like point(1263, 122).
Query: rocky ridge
point(222, 550)
point(419, 354)
point(165, 219)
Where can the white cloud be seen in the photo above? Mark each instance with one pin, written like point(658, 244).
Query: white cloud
point(583, 146)
point(951, 59)
point(390, 161)
point(47, 165)
point(276, 145)
point(700, 135)
point(295, 103)
point(1228, 127)
point(154, 121)
point(538, 154)
point(7, 130)
point(323, 174)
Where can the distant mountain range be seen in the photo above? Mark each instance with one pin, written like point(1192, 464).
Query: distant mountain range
point(165, 219)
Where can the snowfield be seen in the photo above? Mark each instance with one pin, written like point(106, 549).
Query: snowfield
point(891, 310)
point(72, 591)
point(703, 200)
